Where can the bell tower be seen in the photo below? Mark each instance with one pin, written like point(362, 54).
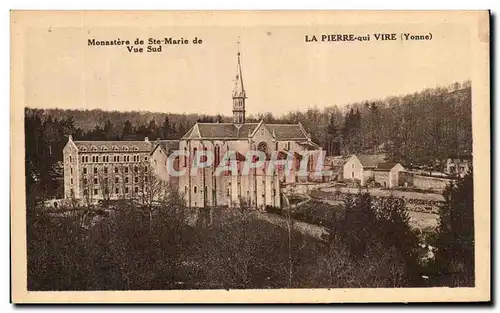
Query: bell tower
point(239, 95)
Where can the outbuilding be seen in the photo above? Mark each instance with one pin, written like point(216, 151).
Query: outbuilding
point(387, 174)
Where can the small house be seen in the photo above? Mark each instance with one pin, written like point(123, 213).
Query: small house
point(387, 174)
point(360, 167)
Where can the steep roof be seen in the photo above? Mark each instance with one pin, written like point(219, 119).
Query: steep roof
point(112, 146)
point(386, 167)
point(371, 160)
point(230, 131)
point(166, 145)
point(287, 131)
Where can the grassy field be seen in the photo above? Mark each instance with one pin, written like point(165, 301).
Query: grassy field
point(423, 221)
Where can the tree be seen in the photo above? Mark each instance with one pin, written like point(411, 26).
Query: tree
point(360, 223)
point(127, 131)
point(332, 138)
point(166, 129)
point(455, 240)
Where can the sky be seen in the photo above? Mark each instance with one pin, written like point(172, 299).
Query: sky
point(281, 71)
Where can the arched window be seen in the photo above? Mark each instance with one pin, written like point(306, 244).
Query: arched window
point(195, 189)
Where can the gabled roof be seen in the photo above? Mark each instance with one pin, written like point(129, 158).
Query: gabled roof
point(113, 146)
point(386, 167)
point(230, 131)
point(371, 160)
point(166, 145)
point(288, 131)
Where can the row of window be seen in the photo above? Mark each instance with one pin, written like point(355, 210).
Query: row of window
point(115, 148)
point(117, 180)
point(96, 191)
point(217, 156)
point(117, 170)
point(115, 158)
point(195, 188)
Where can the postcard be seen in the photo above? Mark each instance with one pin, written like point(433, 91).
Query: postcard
point(250, 156)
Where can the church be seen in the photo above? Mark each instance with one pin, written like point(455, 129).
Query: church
point(259, 187)
point(120, 169)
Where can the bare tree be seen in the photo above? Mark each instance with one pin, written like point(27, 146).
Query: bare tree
point(151, 188)
point(105, 185)
point(289, 226)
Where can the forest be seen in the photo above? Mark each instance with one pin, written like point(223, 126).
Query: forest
point(371, 244)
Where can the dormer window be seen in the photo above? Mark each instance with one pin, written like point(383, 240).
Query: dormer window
point(115, 148)
point(104, 149)
point(125, 148)
point(84, 149)
point(94, 148)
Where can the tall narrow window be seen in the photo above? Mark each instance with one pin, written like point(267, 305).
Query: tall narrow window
point(185, 157)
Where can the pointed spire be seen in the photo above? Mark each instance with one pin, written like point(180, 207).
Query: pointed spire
point(239, 89)
point(239, 95)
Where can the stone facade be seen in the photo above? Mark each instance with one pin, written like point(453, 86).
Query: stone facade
point(94, 169)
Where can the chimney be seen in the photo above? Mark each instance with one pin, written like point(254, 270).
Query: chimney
point(146, 139)
point(70, 138)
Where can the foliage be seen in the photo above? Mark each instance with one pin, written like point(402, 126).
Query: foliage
point(455, 237)
point(373, 230)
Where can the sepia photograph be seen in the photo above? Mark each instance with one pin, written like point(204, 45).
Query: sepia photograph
point(226, 156)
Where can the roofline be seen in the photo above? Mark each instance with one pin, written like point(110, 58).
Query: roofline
point(242, 138)
point(75, 141)
point(257, 127)
point(154, 149)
